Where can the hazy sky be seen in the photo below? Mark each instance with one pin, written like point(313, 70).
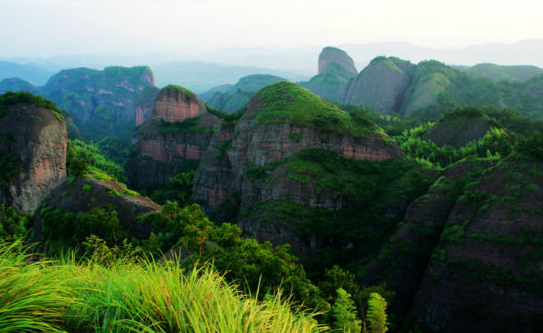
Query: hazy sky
point(48, 27)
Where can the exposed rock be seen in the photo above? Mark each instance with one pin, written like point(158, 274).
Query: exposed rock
point(485, 275)
point(331, 55)
point(177, 104)
point(251, 144)
point(35, 137)
point(173, 140)
point(381, 85)
point(145, 104)
point(336, 69)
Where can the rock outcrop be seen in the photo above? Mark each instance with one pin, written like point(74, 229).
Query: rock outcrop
point(174, 139)
point(336, 69)
point(331, 55)
point(32, 148)
point(485, 274)
point(381, 85)
point(145, 104)
point(282, 120)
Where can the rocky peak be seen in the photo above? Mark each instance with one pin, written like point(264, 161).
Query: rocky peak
point(331, 55)
point(175, 137)
point(381, 85)
point(175, 103)
point(281, 120)
point(32, 149)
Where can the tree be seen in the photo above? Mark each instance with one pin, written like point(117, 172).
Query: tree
point(344, 313)
point(376, 317)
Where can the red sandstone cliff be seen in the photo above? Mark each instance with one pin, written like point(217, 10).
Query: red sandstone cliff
point(36, 139)
point(222, 171)
point(179, 130)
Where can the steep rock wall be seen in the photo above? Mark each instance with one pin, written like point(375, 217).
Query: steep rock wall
point(37, 137)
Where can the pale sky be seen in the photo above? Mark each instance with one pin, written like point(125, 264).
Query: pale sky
point(57, 27)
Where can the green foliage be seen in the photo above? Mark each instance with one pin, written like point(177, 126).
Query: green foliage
point(123, 296)
point(115, 148)
point(531, 147)
point(179, 189)
point(254, 172)
point(344, 313)
point(12, 223)
point(187, 125)
point(376, 317)
point(285, 101)
point(294, 136)
point(185, 91)
point(10, 165)
point(223, 148)
point(32, 300)
point(83, 157)
point(495, 143)
point(71, 229)
point(259, 265)
point(12, 98)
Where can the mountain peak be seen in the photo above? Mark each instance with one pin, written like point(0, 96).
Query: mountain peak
point(331, 55)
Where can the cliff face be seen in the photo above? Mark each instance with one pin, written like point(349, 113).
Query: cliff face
point(101, 102)
point(174, 139)
point(336, 69)
point(381, 85)
point(241, 162)
point(176, 104)
point(145, 104)
point(485, 274)
point(33, 152)
point(466, 256)
point(330, 55)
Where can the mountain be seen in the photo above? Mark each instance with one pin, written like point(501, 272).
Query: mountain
point(232, 98)
point(501, 73)
point(16, 84)
point(173, 140)
point(248, 162)
point(201, 76)
point(34, 74)
point(380, 85)
point(32, 150)
point(101, 102)
point(391, 85)
point(520, 53)
point(331, 55)
point(336, 68)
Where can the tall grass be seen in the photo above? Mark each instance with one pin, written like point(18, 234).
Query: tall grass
point(85, 296)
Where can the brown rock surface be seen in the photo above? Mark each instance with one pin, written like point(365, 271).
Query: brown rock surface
point(176, 104)
point(38, 137)
point(222, 170)
point(167, 142)
point(330, 54)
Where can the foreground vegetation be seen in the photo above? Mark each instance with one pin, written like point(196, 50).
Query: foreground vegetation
point(125, 295)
